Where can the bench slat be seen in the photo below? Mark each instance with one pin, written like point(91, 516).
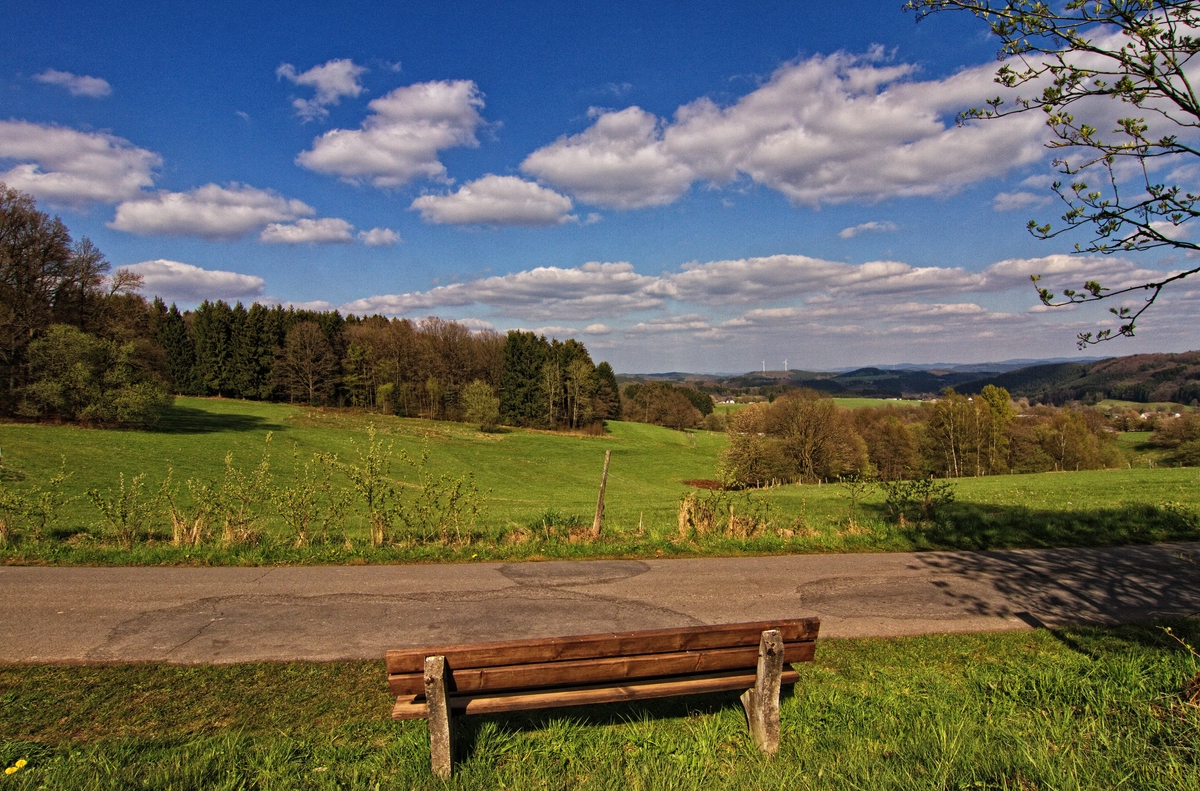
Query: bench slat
point(604, 670)
point(593, 646)
point(408, 708)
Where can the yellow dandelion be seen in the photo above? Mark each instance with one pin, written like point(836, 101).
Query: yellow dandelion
point(21, 763)
point(10, 770)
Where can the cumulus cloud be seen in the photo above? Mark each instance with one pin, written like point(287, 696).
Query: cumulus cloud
point(838, 311)
point(76, 84)
point(327, 230)
point(1066, 271)
point(583, 292)
point(477, 325)
point(379, 237)
point(66, 167)
point(178, 282)
point(496, 200)
point(401, 138)
point(1012, 201)
point(867, 227)
point(333, 80)
point(829, 129)
point(620, 161)
point(776, 277)
point(210, 212)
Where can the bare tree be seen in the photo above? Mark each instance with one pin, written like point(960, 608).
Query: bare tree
point(306, 366)
point(581, 385)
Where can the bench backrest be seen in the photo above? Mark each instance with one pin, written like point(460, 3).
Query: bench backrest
point(599, 658)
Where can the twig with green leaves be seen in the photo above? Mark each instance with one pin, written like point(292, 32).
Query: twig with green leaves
point(127, 511)
point(1080, 54)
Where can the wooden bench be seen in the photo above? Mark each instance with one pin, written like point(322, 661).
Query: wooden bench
point(437, 682)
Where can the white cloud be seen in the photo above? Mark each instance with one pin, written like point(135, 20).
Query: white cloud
point(581, 293)
point(555, 331)
point(867, 227)
point(1012, 201)
point(179, 282)
point(777, 277)
point(332, 81)
point(476, 325)
point(327, 230)
point(379, 237)
point(210, 212)
point(401, 139)
point(828, 129)
point(1067, 271)
point(496, 200)
point(76, 84)
point(826, 313)
point(318, 305)
point(64, 166)
point(619, 161)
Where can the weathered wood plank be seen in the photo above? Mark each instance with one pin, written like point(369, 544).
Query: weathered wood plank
point(762, 700)
point(552, 649)
point(437, 707)
point(602, 670)
point(494, 703)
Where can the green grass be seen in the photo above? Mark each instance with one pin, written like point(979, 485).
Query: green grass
point(1079, 708)
point(539, 484)
point(859, 403)
point(1110, 404)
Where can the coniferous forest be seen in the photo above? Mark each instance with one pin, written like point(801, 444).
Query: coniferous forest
point(79, 342)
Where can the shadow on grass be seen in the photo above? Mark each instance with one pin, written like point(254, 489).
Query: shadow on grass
point(470, 730)
point(187, 420)
point(974, 526)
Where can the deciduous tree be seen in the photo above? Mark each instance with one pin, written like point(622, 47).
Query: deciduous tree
point(1083, 61)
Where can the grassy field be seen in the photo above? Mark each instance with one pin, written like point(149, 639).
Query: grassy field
point(541, 484)
point(1079, 708)
point(1110, 404)
point(848, 403)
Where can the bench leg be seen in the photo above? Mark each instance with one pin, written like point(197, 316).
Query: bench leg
point(762, 702)
point(441, 730)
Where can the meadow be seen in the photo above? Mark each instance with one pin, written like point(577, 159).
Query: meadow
point(539, 492)
point(1074, 708)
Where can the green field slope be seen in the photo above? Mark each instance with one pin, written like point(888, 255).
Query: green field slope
point(541, 487)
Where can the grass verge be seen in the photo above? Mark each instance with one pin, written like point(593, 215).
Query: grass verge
point(1075, 708)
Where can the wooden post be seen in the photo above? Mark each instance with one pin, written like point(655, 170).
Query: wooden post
point(441, 731)
point(762, 702)
point(600, 499)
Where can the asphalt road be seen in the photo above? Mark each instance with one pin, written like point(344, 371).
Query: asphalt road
point(357, 612)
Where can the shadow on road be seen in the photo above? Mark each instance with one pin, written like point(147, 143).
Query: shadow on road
point(1045, 588)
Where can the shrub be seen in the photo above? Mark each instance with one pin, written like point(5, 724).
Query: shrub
point(127, 511)
point(920, 499)
point(481, 406)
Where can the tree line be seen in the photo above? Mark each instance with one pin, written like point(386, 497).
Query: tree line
point(78, 342)
point(805, 436)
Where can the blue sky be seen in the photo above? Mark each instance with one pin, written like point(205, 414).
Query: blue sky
point(696, 186)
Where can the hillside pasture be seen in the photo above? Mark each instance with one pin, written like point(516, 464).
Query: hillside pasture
point(540, 493)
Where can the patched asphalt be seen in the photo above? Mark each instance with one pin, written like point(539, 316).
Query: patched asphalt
point(219, 615)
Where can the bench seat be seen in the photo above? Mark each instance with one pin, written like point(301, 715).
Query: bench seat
point(438, 682)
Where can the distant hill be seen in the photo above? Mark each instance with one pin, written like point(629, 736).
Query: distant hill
point(1139, 377)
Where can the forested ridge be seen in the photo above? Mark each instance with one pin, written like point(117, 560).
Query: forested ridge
point(79, 342)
